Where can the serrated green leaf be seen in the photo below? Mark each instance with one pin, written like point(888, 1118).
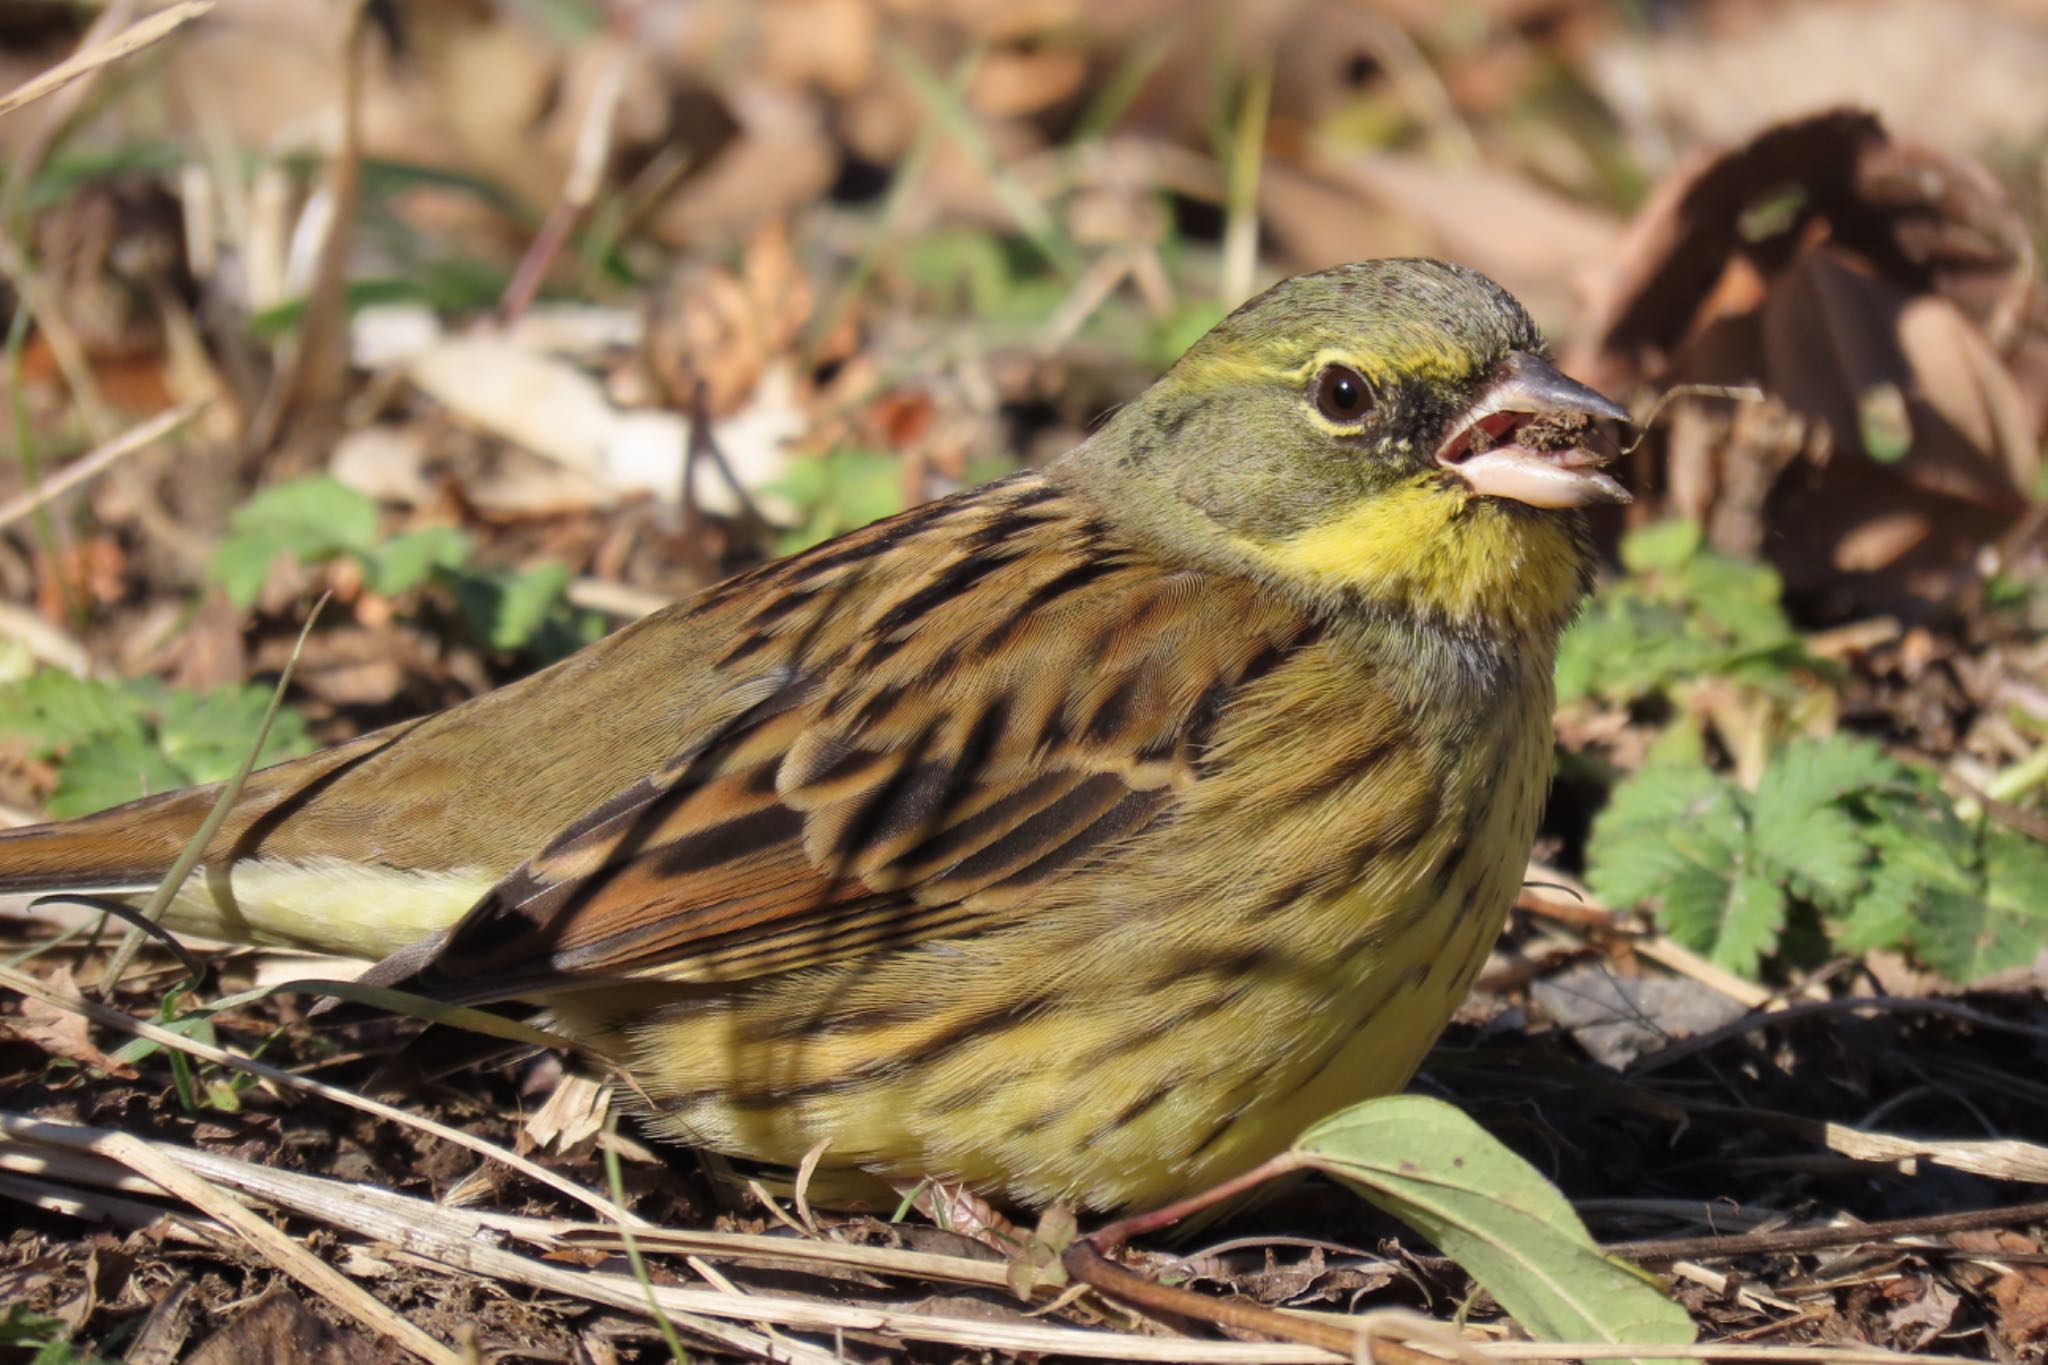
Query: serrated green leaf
point(242, 565)
point(108, 770)
point(53, 709)
point(1663, 793)
point(1816, 771)
point(1428, 1164)
point(838, 492)
point(1817, 845)
point(1966, 936)
point(1751, 923)
point(1669, 837)
point(1678, 839)
point(117, 741)
point(207, 734)
point(1883, 913)
point(312, 516)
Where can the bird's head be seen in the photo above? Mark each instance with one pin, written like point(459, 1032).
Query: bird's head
point(1390, 430)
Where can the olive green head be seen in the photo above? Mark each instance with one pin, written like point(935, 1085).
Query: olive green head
point(1389, 428)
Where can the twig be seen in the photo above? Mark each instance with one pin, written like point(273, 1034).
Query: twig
point(1741, 393)
point(1088, 1265)
point(78, 471)
point(1701, 1042)
point(280, 1250)
point(1823, 1239)
point(137, 36)
point(591, 157)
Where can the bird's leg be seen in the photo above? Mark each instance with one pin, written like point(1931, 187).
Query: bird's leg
point(1110, 1236)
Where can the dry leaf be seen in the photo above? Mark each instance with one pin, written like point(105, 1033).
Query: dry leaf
point(1879, 293)
point(61, 1032)
point(2020, 1290)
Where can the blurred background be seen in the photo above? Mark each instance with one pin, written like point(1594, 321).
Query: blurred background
point(504, 322)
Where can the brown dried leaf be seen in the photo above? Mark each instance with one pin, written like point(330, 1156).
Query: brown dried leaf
point(2019, 1291)
point(61, 1032)
point(1923, 1308)
point(1533, 241)
point(1876, 292)
point(722, 330)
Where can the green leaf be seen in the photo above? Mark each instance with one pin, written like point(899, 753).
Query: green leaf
point(242, 564)
point(1883, 913)
point(1884, 422)
point(1677, 838)
point(1967, 937)
point(1633, 855)
point(1797, 824)
point(319, 513)
point(118, 741)
point(1428, 1164)
point(311, 520)
point(1667, 546)
point(207, 734)
point(507, 609)
point(1813, 772)
point(1751, 923)
point(109, 770)
point(52, 710)
point(838, 492)
point(405, 561)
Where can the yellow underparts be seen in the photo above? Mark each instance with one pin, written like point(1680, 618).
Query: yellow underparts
point(1436, 546)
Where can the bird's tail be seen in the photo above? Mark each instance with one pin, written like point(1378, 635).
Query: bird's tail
point(323, 904)
point(120, 851)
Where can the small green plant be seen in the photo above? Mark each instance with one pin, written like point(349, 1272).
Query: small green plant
point(1833, 827)
point(848, 488)
point(1682, 612)
point(319, 519)
point(836, 492)
point(114, 741)
point(22, 1330)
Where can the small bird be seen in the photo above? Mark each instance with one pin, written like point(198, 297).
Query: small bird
point(1080, 836)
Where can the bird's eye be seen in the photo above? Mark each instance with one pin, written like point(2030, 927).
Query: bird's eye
point(1342, 395)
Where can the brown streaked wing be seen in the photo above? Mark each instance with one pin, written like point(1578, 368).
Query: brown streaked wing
point(971, 710)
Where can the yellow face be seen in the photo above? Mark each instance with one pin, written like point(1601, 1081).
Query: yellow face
point(1389, 430)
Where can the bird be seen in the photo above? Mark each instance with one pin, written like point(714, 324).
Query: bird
point(1080, 836)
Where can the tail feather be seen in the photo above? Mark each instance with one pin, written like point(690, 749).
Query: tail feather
point(297, 898)
point(116, 850)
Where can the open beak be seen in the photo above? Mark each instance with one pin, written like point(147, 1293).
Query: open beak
point(1530, 436)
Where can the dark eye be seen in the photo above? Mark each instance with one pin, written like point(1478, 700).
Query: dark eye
point(1341, 394)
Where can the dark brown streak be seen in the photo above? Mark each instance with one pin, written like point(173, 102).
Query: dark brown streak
point(867, 1072)
point(951, 583)
point(1061, 584)
point(1046, 835)
point(1112, 712)
point(1215, 1002)
point(729, 841)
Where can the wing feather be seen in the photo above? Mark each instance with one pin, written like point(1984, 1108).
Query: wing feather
point(975, 702)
